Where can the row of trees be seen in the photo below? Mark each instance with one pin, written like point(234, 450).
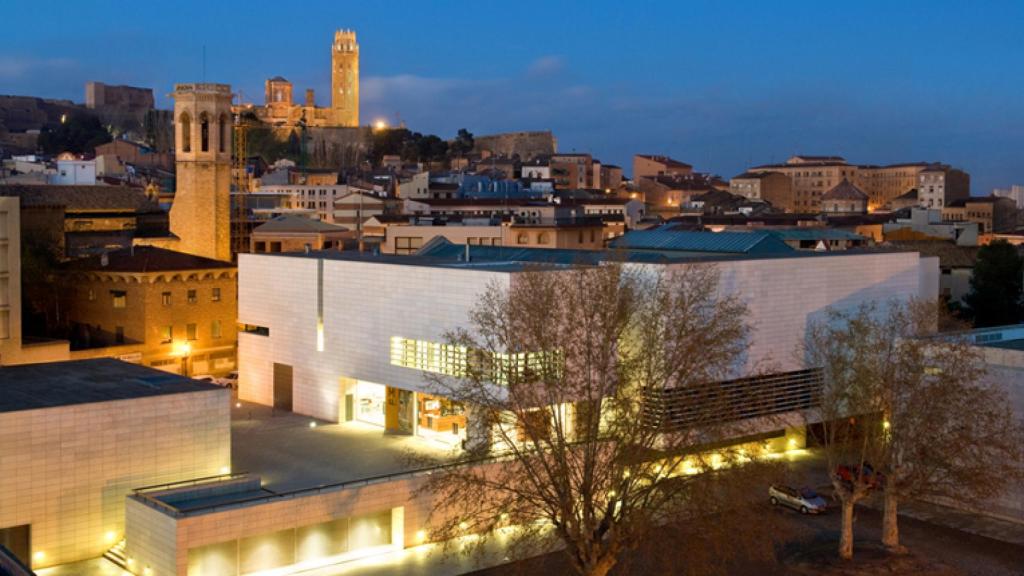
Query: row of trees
point(909, 413)
point(79, 133)
point(416, 147)
point(590, 465)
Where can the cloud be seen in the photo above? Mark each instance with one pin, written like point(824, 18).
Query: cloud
point(381, 88)
point(12, 67)
point(546, 66)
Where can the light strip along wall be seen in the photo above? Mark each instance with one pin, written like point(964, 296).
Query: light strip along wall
point(319, 305)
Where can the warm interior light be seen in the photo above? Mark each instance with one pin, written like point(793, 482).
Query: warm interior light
point(225, 469)
point(886, 424)
point(312, 424)
point(421, 536)
point(38, 555)
point(238, 404)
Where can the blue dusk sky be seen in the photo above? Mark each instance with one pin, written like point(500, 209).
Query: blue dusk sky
point(719, 84)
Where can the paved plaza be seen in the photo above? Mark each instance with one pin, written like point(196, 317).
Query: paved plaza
point(288, 453)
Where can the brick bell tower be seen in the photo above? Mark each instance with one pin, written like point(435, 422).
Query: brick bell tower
point(201, 213)
point(345, 78)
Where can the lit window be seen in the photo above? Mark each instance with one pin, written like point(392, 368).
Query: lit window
point(215, 329)
point(216, 295)
point(119, 298)
point(192, 296)
point(165, 299)
point(166, 334)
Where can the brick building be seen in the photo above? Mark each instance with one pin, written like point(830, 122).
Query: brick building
point(164, 309)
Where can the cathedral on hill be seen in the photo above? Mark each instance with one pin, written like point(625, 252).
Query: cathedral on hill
point(281, 110)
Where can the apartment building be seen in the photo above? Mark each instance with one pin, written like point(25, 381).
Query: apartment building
point(649, 165)
point(317, 197)
point(157, 307)
point(773, 187)
point(812, 176)
point(991, 213)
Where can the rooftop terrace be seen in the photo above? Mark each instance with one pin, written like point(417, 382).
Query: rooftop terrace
point(35, 386)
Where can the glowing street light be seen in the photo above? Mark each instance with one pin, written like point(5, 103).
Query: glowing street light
point(380, 124)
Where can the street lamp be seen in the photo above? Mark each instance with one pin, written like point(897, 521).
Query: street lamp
point(184, 350)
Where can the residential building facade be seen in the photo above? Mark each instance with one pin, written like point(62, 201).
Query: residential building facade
point(164, 309)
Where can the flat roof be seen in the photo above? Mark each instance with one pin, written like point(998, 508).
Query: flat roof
point(53, 384)
point(441, 253)
point(1017, 344)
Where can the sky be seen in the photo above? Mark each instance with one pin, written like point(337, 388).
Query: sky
point(722, 85)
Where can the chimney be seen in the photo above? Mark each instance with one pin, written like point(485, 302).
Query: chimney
point(310, 101)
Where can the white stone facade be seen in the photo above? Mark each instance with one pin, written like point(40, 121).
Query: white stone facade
point(66, 470)
point(365, 303)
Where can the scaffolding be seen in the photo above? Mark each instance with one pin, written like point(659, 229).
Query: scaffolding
point(240, 187)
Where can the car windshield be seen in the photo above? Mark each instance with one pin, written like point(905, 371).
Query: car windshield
point(808, 493)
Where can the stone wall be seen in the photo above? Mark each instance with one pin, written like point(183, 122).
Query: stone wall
point(66, 470)
point(525, 144)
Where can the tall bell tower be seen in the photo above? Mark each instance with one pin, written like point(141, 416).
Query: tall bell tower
point(345, 78)
point(201, 213)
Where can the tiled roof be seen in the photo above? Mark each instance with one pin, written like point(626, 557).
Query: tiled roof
point(665, 160)
point(146, 259)
point(293, 223)
point(845, 190)
point(668, 238)
point(82, 198)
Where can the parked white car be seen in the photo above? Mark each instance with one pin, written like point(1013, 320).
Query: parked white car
point(205, 378)
point(806, 500)
point(229, 381)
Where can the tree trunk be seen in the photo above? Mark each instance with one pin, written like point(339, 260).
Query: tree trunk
point(603, 566)
point(890, 526)
point(846, 536)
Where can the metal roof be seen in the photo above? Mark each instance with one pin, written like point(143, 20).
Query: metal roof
point(815, 234)
point(666, 238)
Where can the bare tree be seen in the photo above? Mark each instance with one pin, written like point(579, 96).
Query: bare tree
point(568, 381)
point(949, 433)
point(916, 406)
point(850, 350)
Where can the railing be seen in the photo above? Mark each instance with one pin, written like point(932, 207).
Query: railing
point(189, 482)
point(141, 495)
point(734, 400)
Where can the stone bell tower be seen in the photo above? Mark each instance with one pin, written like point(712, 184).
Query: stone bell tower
point(345, 78)
point(201, 213)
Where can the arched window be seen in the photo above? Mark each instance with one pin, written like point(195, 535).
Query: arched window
point(222, 132)
point(523, 238)
point(543, 238)
point(204, 132)
point(186, 132)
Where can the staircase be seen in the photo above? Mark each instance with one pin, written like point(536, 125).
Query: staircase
point(116, 555)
